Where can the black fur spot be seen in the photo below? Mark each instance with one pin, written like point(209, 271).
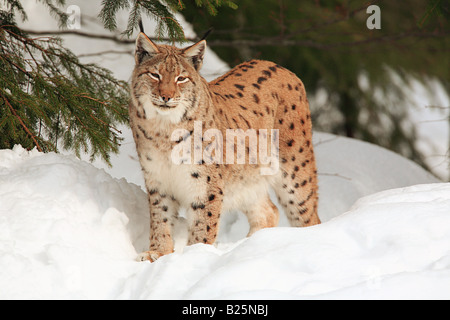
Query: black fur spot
point(196, 205)
point(195, 175)
point(261, 80)
point(146, 135)
point(267, 73)
point(302, 211)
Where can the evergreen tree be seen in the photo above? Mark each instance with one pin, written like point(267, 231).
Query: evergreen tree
point(161, 11)
point(49, 100)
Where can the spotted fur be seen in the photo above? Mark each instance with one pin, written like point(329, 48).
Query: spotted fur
point(167, 93)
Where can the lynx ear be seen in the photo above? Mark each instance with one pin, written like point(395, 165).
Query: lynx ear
point(145, 48)
point(195, 54)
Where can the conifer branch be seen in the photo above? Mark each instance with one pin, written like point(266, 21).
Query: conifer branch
point(50, 97)
point(276, 41)
point(22, 123)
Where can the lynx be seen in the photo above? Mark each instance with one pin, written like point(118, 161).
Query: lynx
point(168, 94)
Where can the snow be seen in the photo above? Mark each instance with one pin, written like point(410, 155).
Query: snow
point(68, 230)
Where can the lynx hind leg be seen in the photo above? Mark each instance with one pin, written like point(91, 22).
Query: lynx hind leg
point(297, 194)
point(263, 215)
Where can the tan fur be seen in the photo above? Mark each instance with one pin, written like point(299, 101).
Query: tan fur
point(255, 94)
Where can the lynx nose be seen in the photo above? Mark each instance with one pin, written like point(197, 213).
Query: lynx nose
point(166, 98)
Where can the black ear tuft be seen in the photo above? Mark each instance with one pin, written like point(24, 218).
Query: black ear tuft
point(207, 33)
point(141, 26)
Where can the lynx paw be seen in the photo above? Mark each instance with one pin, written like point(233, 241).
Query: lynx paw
point(152, 256)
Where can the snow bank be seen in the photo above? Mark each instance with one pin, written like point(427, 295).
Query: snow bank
point(69, 230)
point(63, 226)
point(395, 244)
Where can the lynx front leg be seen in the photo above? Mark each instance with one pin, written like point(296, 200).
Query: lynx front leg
point(204, 217)
point(163, 211)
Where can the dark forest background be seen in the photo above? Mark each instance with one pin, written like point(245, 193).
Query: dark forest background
point(329, 46)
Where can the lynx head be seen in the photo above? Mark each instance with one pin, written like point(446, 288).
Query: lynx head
point(165, 77)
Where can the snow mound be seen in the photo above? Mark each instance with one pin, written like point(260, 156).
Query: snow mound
point(62, 222)
point(349, 169)
point(69, 230)
point(395, 244)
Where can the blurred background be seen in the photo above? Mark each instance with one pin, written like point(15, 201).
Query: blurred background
point(382, 77)
point(379, 75)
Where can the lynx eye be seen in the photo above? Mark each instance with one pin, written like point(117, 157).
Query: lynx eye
point(182, 79)
point(154, 76)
